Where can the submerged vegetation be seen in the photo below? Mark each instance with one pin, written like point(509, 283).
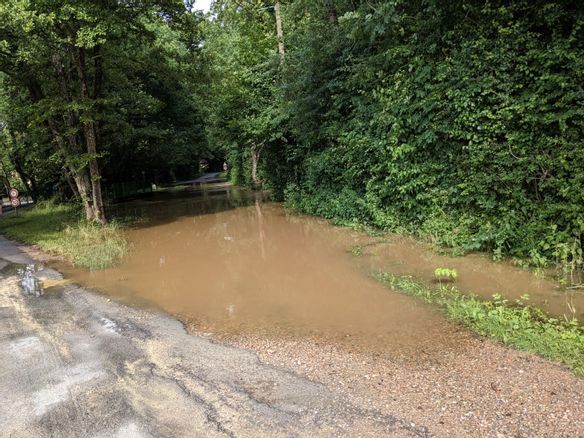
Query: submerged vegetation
point(59, 229)
point(516, 324)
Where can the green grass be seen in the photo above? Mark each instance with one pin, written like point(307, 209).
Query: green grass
point(515, 324)
point(58, 229)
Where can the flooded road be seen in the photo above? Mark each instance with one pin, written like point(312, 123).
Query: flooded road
point(76, 363)
point(226, 262)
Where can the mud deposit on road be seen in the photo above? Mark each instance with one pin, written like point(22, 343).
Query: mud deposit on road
point(225, 261)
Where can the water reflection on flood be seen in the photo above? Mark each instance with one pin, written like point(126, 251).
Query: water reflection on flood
point(230, 263)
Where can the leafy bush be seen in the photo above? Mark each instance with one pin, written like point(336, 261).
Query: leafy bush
point(460, 121)
point(445, 274)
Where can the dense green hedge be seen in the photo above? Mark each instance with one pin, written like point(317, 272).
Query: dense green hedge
point(465, 123)
point(459, 120)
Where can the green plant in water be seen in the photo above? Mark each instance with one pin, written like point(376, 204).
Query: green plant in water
point(445, 274)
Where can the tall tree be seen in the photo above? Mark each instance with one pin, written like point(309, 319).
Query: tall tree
point(81, 62)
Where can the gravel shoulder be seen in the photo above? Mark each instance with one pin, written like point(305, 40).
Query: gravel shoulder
point(483, 390)
point(78, 364)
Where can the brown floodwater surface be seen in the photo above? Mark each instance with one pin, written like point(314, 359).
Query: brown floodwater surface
point(229, 263)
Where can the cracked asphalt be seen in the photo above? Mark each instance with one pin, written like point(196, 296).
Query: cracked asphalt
point(74, 363)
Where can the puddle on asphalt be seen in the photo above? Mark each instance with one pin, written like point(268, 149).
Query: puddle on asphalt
point(33, 279)
point(29, 283)
point(223, 259)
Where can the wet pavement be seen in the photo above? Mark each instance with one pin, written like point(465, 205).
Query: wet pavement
point(77, 364)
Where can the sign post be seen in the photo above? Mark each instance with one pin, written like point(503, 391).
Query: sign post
point(14, 201)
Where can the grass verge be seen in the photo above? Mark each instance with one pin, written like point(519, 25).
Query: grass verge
point(515, 324)
point(58, 229)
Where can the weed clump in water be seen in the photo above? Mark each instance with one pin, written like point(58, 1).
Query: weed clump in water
point(58, 229)
point(516, 324)
point(445, 275)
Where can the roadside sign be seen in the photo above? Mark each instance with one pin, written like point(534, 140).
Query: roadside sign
point(13, 193)
point(15, 202)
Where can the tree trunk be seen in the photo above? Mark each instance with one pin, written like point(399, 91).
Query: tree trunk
point(71, 184)
point(279, 31)
point(255, 158)
point(97, 86)
point(71, 117)
point(79, 176)
point(90, 140)
point(333, 13)
point(94, 173)
point(83, 186)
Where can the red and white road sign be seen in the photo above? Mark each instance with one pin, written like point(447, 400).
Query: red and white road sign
point(15, 202)
point(13, 193)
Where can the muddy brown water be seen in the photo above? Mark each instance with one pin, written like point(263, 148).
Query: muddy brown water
point(225, 261)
